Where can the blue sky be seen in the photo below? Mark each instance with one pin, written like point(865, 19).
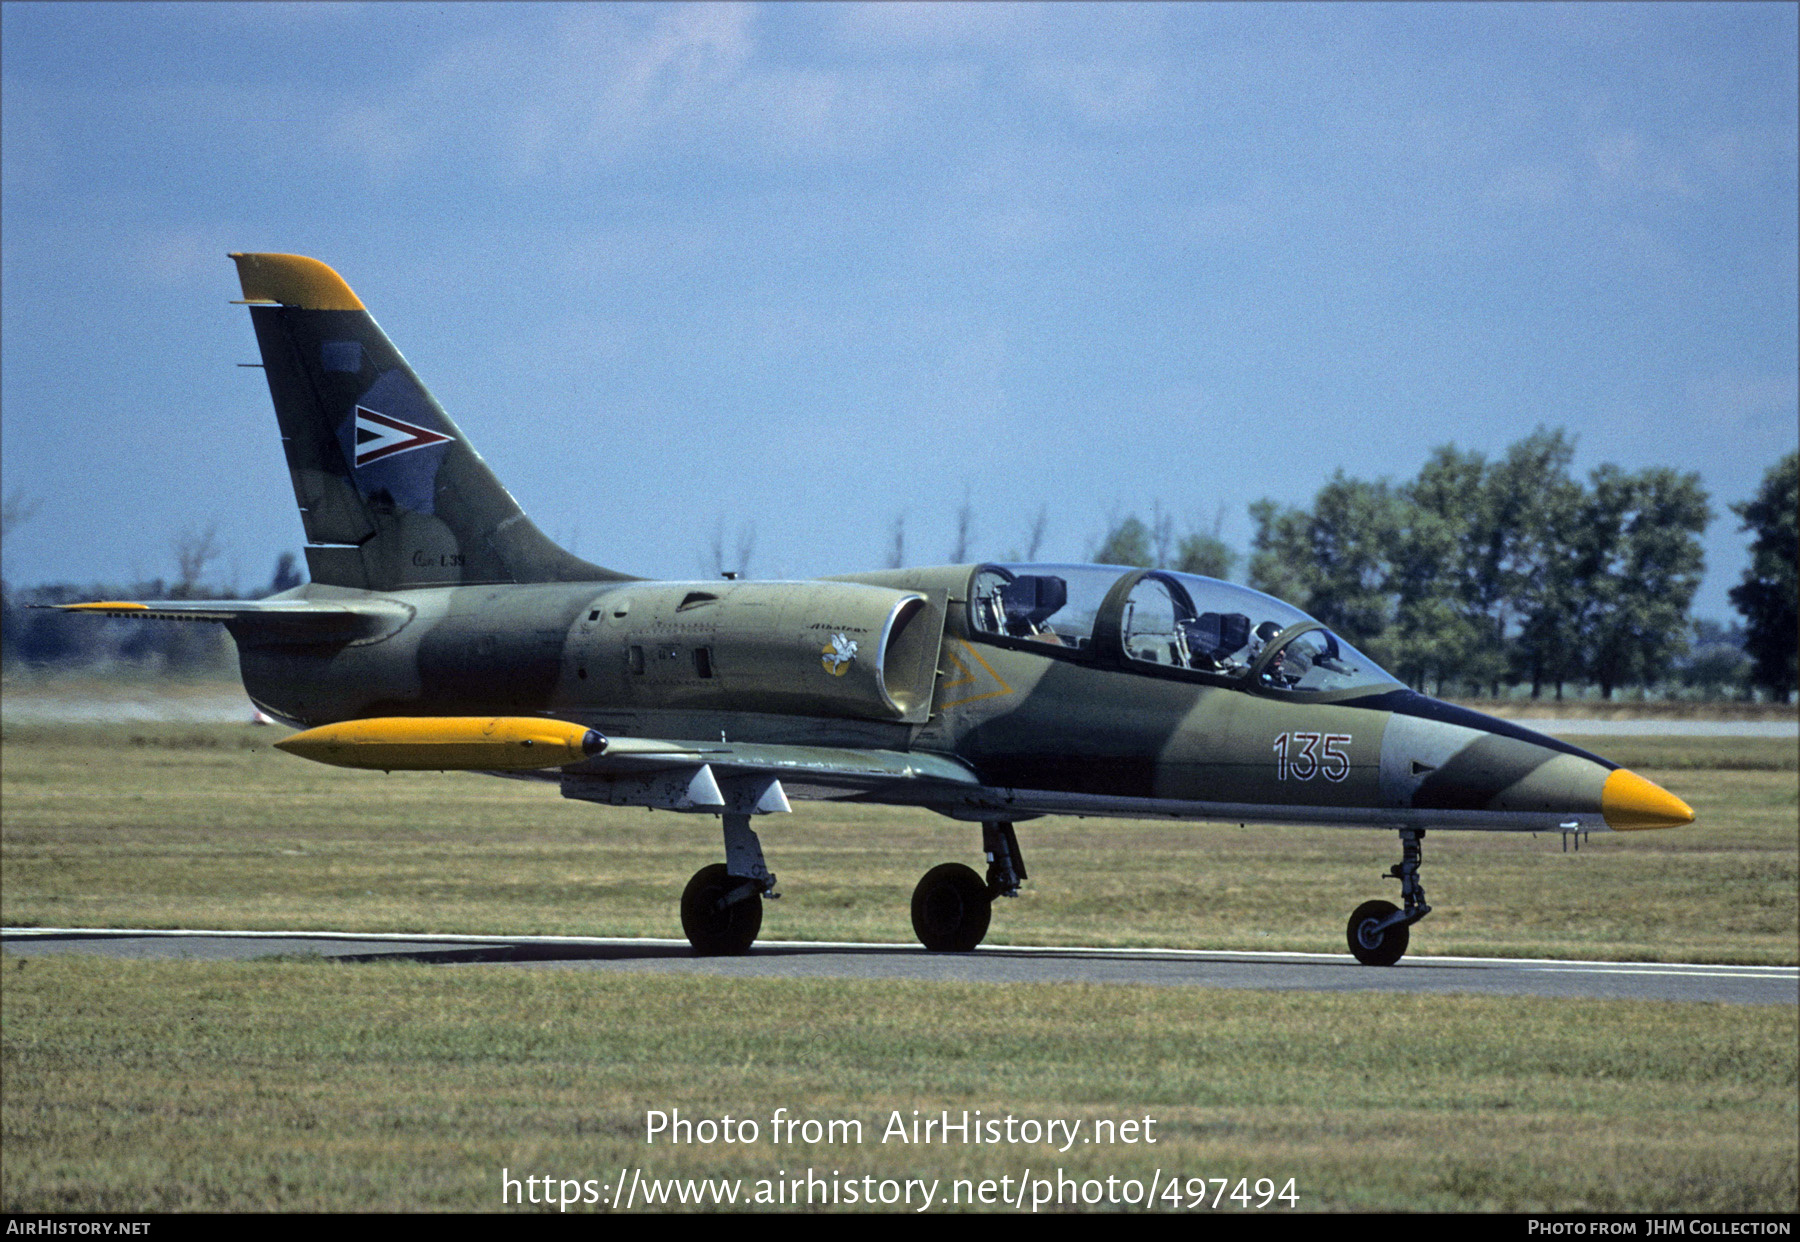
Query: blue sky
point(678, 270)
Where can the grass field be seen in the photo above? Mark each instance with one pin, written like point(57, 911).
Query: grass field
point(206, 825)
point(171, 1086)
point(302, 1084)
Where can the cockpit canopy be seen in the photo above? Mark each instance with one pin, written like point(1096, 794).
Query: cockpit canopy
point(1167, 622)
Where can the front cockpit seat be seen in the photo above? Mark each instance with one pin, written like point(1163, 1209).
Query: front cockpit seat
point(1213, 637)
point(1030, 600)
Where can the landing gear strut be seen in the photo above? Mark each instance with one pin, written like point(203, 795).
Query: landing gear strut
point(721, 908)
point(1378, 931)
point(952, 906)
point(1006, 866)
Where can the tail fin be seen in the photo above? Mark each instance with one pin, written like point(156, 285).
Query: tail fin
point(390, 490)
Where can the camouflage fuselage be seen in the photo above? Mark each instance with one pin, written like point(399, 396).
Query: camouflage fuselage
point(891, 661)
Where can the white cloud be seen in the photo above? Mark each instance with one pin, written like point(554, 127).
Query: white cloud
point(1624, 164)
point(596, 86)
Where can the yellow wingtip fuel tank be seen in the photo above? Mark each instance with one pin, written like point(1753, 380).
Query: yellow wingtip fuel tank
point(447, 743)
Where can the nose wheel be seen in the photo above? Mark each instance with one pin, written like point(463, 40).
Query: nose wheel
point(1375, 938)
point(1379, 931)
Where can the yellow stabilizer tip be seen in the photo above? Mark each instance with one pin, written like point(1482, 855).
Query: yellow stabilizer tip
point(446, 743)
point(1628, 801)
point(106, 605)
point(293, 280)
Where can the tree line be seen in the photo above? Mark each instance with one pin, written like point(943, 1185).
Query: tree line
point(33, 636)
point(1475, 576)
point(1480, 574)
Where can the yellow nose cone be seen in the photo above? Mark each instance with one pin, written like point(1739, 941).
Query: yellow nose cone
point(1628, 801)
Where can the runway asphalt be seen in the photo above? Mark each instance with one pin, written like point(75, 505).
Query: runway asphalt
point(1741, 985)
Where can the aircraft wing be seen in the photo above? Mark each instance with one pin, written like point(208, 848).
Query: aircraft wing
point(673, 774)
point(754, 776)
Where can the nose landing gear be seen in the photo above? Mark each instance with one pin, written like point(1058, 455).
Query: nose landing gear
point(1378, 931)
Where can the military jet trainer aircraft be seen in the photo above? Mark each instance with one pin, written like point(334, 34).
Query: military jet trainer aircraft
point(443, 630)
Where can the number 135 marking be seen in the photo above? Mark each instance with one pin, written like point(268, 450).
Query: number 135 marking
point(1302, 756)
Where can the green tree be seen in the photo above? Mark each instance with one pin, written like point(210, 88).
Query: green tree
point(1716, 664)
point(1479, 573)
point(1154, 545)
point(1535, 508)
point(1354, 529)
point(287, 574)
point(1126, 543)
point(1206, 555)
point(1281, 561)
point(1766, 596)
point(1642, 560)
point(1440, 628)
point(1336, 561)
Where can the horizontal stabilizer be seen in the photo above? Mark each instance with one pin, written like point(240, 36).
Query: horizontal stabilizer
point(293, 619)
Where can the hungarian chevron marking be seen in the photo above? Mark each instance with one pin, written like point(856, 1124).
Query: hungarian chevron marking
point(381, 435)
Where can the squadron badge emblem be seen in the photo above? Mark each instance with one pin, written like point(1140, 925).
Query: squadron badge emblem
point(837, 655)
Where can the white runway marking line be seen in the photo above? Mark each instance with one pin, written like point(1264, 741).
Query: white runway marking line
point(1539, 965)
point(1691, 972)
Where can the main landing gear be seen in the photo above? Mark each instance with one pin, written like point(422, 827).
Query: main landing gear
point(1378, 930)
point(952, 906)
point(721, 908)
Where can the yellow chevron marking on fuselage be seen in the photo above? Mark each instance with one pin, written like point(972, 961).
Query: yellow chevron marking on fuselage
point(968, 678)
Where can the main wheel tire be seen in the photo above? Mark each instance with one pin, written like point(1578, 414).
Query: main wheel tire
point(1373, 948)
point(951, 909)
point(716, 932)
